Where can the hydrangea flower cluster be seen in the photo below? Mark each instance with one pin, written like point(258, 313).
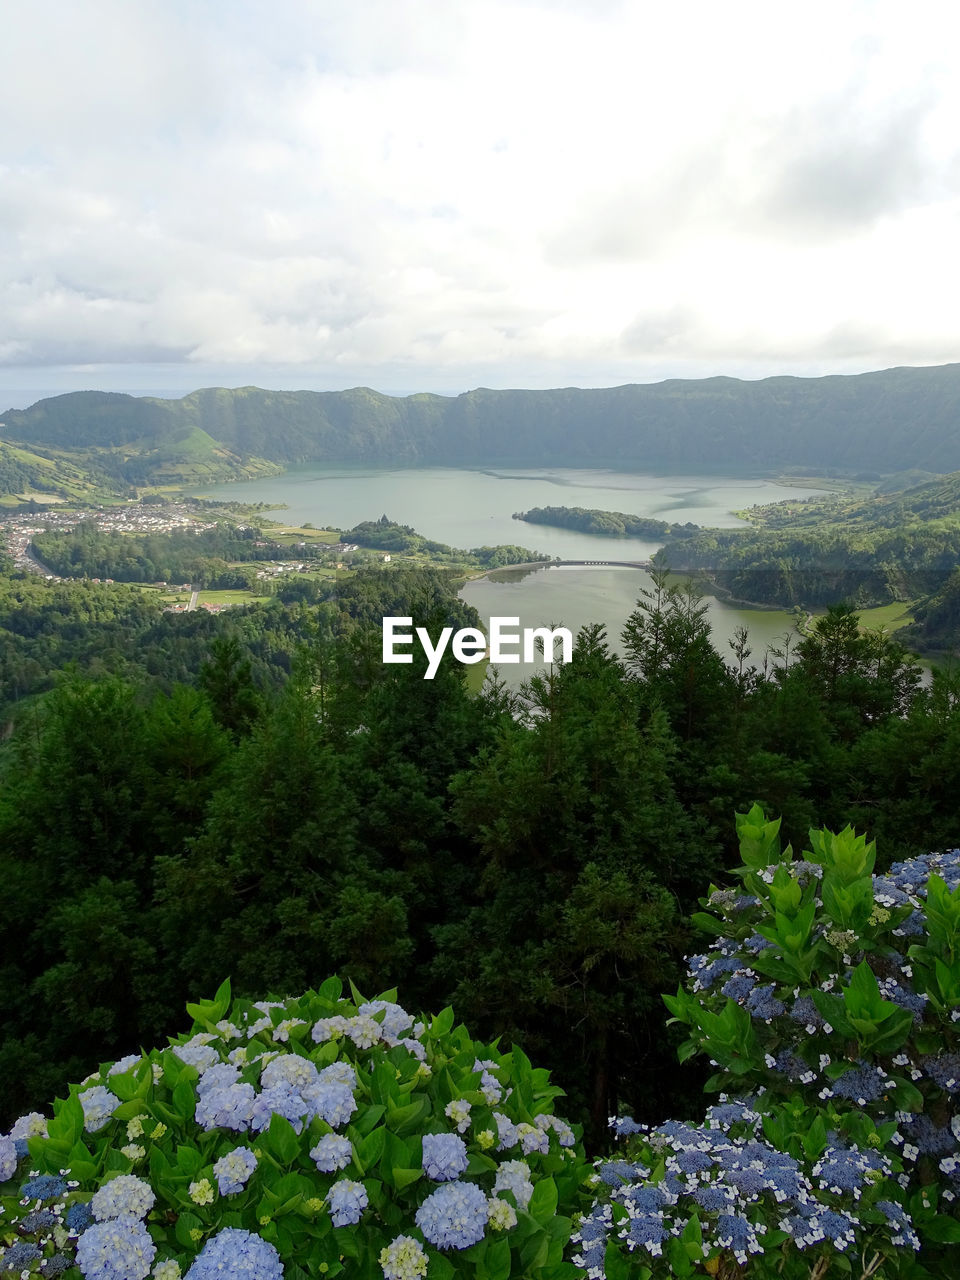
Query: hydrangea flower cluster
point(694, 1193)
point(834, 984)
point(274, 1129)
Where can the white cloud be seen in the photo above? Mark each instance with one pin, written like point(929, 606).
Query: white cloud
point(526, 193)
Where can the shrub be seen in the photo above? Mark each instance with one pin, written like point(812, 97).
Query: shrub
point(828, 1002)
point(297, 1138)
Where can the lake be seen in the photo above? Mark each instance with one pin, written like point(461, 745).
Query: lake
point(471, 508)
point(466, 508)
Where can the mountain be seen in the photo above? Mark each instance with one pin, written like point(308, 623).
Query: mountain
point(898, 420)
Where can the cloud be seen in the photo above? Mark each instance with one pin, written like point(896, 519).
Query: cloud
point(533, 188)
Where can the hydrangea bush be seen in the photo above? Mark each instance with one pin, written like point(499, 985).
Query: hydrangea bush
point(829, 1003)
point(298, 1138)
point(750, 1191)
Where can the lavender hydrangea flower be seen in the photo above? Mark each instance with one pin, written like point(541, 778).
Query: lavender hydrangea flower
point(220, 1076)
point(124, 1065)
point(234, 1170)
point(332, 1100)
point(444, 1156)
point(8, 1158)
point(229, 1108)
point(280, 1100)
point(514, 1176)
point(200, 1056)
point(234, 1252)
point(396, 1022)
point(289, 1069)
point(98, 1106)
point(454, 1216)
point(32, 1125)
point(347, 1200)
point(332, 1153)
point(119, 1247)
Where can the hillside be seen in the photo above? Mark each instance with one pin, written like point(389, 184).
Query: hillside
point(864, 550)
point(899, 420)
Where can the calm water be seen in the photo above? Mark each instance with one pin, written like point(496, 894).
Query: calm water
point(575, 597)
point(474, 508)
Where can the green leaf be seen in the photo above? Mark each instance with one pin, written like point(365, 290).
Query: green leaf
point(281, 1139)
point(184, 1100)
point(442, 1024)
point(186, 1223)
point(543, 1202)
point(942, 1229)
point(497, 1259)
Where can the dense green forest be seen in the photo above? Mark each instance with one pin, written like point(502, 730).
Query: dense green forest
point(607, 524)
point(866, 550)
point(874, 423)
point(186, 797)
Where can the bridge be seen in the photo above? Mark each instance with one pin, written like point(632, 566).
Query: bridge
point(613, 564)
point(577, 564)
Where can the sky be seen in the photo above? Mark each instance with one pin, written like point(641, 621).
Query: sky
point(435, 195)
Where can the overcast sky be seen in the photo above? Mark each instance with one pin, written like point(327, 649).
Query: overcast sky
point(442, 194)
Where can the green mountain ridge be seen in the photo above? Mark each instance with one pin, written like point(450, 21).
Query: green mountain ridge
point(897, 420)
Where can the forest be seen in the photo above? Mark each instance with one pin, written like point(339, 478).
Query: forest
point(607, 524)
point(533, 859)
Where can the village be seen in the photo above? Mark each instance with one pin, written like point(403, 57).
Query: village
point(18, 530)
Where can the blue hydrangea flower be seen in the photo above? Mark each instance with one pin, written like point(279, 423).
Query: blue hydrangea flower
point(39, 1220)
point(98, 1106)
point(280, 1100)
point(514, 1176)
point(444, 1156)
point(8, 1158)
point(347, 1200)
point(616, 1172)
point(56, 1265)
point(78, 1217)
point(234, 1252)
point(124, 1065)
point(229, 1108)
point(396, 1021)
point(32, 1125)
point(118, 1249)
point(125, 1196)
point(220, 1076)
point(234, 1170)
point(19, 1256)
point(506, 1130)
point(331, 1099)
point(763, 1004)
point(332, 1153)
point(49, 1186)
point(647, 1232)
point(196, 1055)
point(454, 1216)
point(898, 1218)
point(289, 1069)
point(646, 1198)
